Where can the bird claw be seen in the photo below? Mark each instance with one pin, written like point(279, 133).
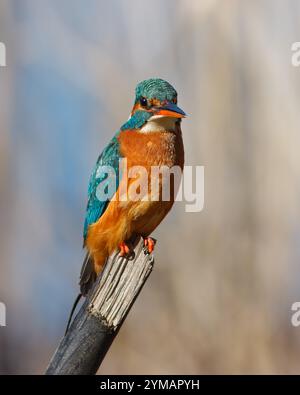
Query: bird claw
point(149, 244)
point(126, 250)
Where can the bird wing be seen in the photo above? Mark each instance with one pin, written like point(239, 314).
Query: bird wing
point(95, 207)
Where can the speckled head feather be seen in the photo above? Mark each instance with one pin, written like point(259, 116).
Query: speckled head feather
point(155, 88)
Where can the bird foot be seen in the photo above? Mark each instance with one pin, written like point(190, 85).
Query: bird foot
point(149, 244)
point(125, 249)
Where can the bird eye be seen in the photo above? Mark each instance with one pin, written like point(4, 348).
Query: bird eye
point(143, 101)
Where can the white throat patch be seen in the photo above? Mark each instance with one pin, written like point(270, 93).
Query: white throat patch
point(159, 123)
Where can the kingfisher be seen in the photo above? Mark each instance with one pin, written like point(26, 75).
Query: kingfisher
point(151, 137)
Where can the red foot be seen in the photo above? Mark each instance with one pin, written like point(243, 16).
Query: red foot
point(149, 244)
point(124, 249)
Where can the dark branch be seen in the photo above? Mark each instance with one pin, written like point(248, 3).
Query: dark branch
point(96, 325)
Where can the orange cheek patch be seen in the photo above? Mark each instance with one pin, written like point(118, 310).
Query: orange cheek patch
point(135, 108)
point(155, 102)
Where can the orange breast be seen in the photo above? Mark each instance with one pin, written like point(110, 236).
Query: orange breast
point(152, 149)
point(148, 150)
point(124, 219)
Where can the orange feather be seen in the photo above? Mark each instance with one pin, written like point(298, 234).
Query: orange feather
point(124, 219)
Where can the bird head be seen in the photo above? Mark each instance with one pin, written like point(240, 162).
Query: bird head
point(158, 98)
point(155, 101)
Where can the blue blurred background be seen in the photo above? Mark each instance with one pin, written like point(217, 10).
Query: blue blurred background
point(219, 300)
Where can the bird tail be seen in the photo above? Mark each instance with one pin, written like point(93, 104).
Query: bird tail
point(72, 312)
point(87, 279)
point(87, 274)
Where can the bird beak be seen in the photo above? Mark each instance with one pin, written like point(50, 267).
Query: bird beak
point(170, 110)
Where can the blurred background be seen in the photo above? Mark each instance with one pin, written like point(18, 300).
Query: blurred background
point(219, 299)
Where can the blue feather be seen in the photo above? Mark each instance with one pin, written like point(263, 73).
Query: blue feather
point(138, 119)
point(95, 207)
point(109, 157)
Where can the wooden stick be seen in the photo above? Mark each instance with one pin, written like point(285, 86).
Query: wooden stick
point(96, 325)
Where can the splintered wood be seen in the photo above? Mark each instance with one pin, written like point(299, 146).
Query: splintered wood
point(120, 283)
